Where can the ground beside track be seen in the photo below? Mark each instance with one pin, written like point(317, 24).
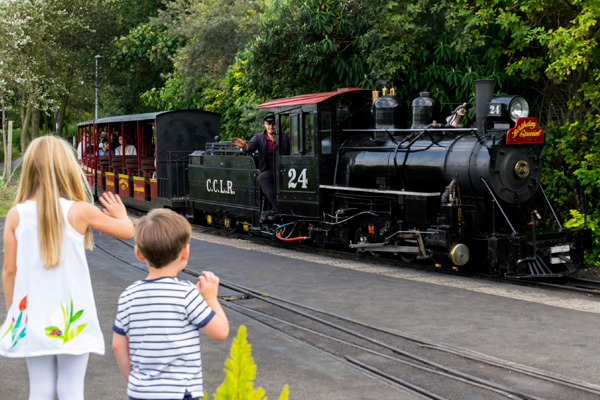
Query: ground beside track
point(551, 331)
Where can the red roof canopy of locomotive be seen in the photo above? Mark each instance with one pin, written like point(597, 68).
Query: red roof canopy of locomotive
point(305, 98)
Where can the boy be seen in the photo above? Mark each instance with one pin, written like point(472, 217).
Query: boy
point(155, 335)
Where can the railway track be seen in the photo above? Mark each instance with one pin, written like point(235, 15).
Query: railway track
point(430, 370)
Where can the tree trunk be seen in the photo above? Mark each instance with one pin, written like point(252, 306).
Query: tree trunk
point(61, 114)
point(35, 123)
point(3, 128)
point(8, 159)
point(25, 138)
point(45, 129)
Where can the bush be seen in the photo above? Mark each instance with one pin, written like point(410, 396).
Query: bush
point(240, 371)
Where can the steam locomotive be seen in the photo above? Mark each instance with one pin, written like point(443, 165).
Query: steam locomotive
point(357, 176)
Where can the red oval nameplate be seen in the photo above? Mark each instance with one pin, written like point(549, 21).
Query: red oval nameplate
point(525, 131)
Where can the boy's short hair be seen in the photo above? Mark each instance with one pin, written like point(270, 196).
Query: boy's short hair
point(161, 235)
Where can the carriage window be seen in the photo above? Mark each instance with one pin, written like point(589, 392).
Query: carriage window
point(309, 133)
point(326, 132)
point(294, 135)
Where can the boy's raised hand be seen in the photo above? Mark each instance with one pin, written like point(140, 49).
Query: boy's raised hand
point(208, 285)
point(113, 206)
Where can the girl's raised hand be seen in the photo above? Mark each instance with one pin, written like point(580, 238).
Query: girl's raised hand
point(113, 206)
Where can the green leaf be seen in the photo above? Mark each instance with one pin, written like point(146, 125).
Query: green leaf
point(76, 316)
point(18, 323)
point(64, 313)
point(8, 330)
point(71, 310)
point(74, 332)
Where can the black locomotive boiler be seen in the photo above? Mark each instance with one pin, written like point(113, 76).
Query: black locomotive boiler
point(358, 177)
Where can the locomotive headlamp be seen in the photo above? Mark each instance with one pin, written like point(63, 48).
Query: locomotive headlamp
point(518, 108)
point(504, 111)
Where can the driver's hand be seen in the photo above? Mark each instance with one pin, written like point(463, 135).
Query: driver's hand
point(239, 142)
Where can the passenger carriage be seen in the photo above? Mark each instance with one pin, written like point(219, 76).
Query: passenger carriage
point(157, 176)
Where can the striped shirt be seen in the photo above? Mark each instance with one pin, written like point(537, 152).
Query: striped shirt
point(161, 318)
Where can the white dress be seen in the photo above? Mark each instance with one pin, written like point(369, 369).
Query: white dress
point(53, 310)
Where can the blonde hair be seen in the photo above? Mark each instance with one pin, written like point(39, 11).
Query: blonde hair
point(160, 236)
point(50, 171)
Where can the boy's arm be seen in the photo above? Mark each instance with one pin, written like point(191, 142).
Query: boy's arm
point(208, 286)
point(121, 348)
point(218, 327)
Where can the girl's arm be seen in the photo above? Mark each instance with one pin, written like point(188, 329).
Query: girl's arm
point(112, 220)
point(10, 256)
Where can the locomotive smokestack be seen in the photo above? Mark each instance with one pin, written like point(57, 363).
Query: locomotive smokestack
point(484, 93)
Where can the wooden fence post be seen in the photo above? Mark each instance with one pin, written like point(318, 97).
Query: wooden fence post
point(8, 146)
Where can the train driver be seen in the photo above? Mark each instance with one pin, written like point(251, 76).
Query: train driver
point(265, 143)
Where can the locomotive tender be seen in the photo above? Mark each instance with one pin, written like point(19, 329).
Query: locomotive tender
point(357, 176)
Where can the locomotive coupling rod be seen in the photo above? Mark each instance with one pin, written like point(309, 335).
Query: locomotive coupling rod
point(499, 206)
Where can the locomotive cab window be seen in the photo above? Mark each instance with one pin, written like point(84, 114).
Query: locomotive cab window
point(295, 143)
point(325, 132)
point(284, 123)
point(308, 127)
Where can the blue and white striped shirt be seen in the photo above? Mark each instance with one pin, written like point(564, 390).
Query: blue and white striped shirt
point(161, 318)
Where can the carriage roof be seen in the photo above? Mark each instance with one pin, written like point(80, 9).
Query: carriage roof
point(136, 117)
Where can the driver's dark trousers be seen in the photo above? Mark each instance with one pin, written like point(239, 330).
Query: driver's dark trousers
point(266, 181)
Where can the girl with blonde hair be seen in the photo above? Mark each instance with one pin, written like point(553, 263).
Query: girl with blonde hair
point(52, 319)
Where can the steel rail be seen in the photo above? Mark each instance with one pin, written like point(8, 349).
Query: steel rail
point(487, 385)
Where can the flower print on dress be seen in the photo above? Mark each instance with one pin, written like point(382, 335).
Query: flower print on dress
point(68, 334)
point(15, 325)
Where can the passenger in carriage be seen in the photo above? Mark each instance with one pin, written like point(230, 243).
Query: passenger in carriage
point(103, 151)
point(85, 142)
point(114, 141)
point(265, 143)
point(129, 150)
